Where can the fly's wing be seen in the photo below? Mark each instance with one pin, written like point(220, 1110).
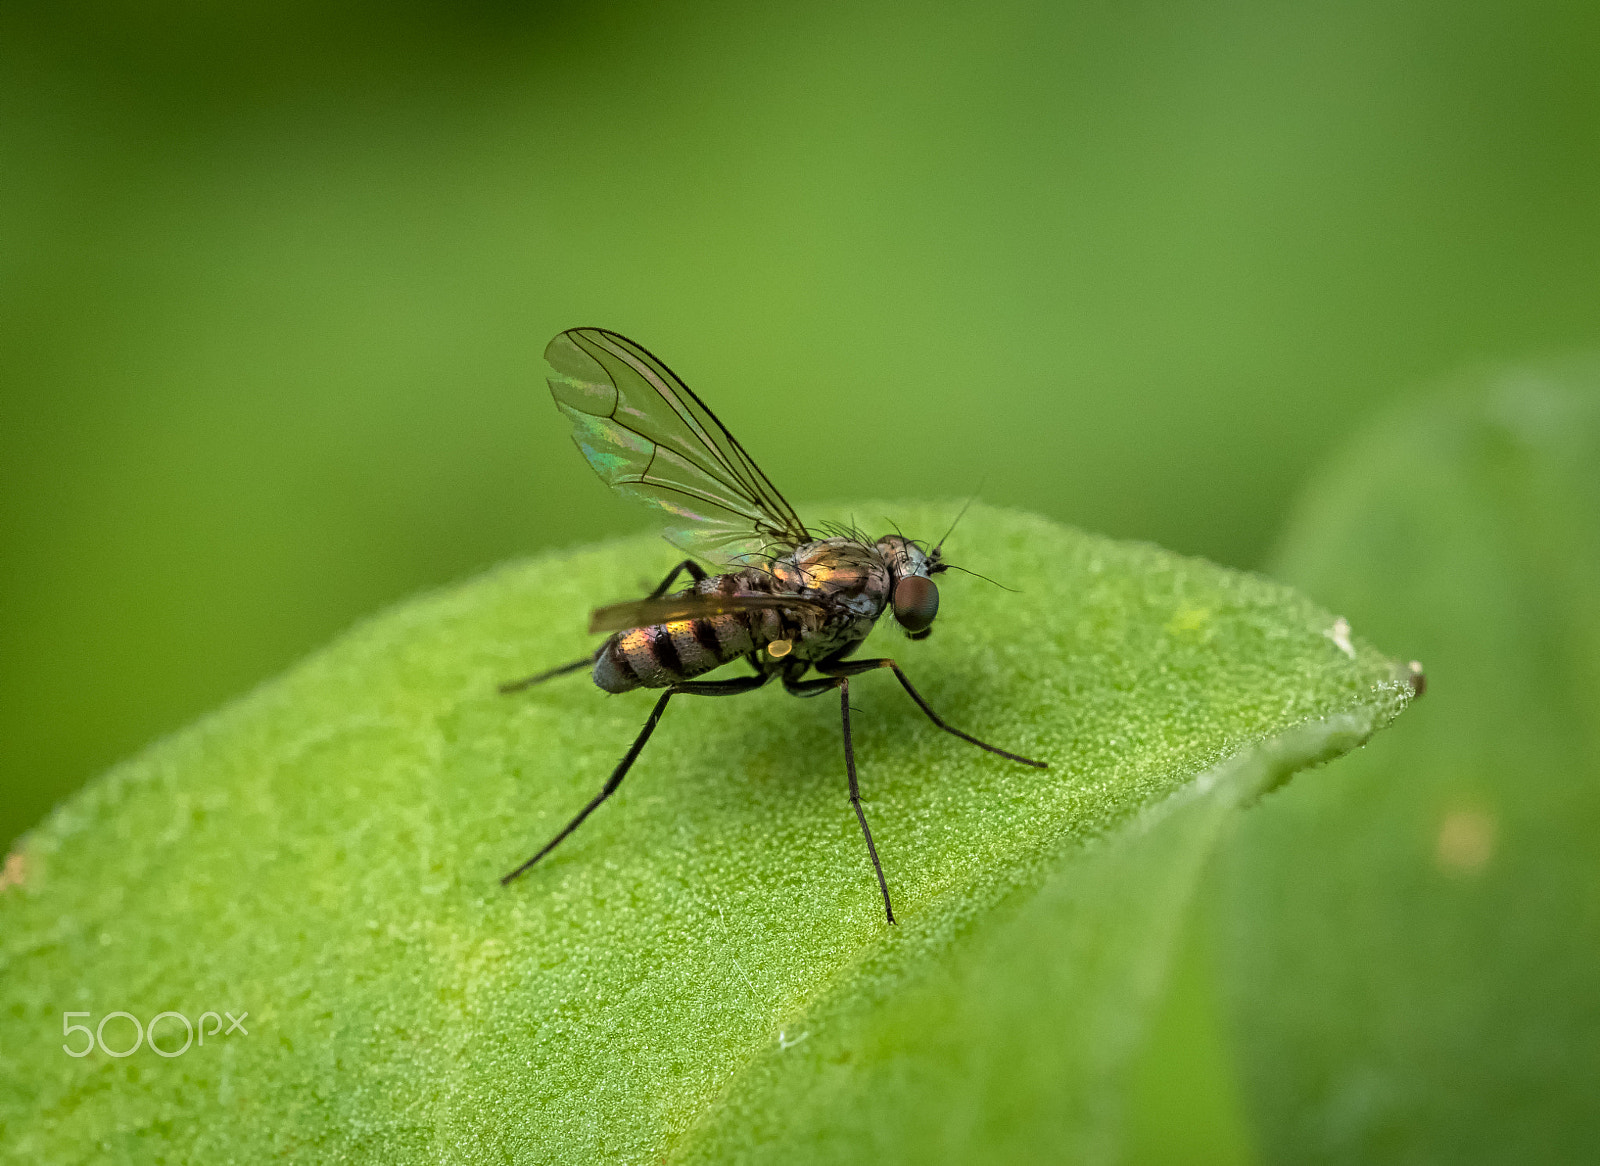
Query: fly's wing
point(643, 613)
point(649, 437)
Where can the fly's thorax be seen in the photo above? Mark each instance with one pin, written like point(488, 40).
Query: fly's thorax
point(847, 580)
point(843, 574)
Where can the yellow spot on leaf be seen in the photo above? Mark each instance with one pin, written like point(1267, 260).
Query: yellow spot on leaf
point(1190, 621)
point(1466, 840)
point(14, 871)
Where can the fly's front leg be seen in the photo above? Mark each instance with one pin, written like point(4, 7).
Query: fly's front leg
point(696, 572)
point(817, 688)
point(701, 688)
point(843, 668)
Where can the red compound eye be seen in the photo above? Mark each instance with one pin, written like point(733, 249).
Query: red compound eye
point(916, 602)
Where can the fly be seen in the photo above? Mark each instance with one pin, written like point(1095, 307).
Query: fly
point(788, 601)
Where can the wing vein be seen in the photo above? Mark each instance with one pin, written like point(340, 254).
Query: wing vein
point(648, 435)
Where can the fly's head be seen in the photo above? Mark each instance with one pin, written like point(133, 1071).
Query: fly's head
point(913, 595)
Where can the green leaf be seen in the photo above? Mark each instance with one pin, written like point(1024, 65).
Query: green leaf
point(705, 965)
point(1412, 949)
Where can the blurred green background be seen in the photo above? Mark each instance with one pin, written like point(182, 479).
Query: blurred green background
point(274, 281)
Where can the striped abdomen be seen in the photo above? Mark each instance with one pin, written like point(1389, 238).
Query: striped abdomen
point(664, 654)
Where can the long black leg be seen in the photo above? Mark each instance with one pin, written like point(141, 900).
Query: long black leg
point(817, 688)
point(809, 687)
point(700, 688)
point(541, 677)
point(722, 687)
point(695, 572)
point(855, 792)
point(856, 667)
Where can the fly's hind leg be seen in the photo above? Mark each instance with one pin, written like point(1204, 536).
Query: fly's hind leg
point(691, 688)
point(551, 674)
point(843, 668)
point(842, 683)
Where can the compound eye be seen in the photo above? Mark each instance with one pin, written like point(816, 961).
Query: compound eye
point(916, 602)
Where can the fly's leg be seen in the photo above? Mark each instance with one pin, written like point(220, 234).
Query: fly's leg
point(695, 572)
point(541, 677)
point(607, 790)
point(842, 683)
point(809, 687)
point(856, 667)
point(855, 793)
point(701, 688)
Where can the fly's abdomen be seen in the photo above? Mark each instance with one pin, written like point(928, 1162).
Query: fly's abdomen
point(655, 657)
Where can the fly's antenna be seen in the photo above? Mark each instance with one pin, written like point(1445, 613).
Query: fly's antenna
point(973, 497)
point(985, 578)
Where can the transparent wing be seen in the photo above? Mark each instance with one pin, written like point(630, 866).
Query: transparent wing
point(649, 437)
point(642, 613)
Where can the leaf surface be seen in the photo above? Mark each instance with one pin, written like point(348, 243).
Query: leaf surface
point(704, 968)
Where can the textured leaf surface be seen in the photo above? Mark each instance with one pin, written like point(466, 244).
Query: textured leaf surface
point(1412, 947)
point(324, 853)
